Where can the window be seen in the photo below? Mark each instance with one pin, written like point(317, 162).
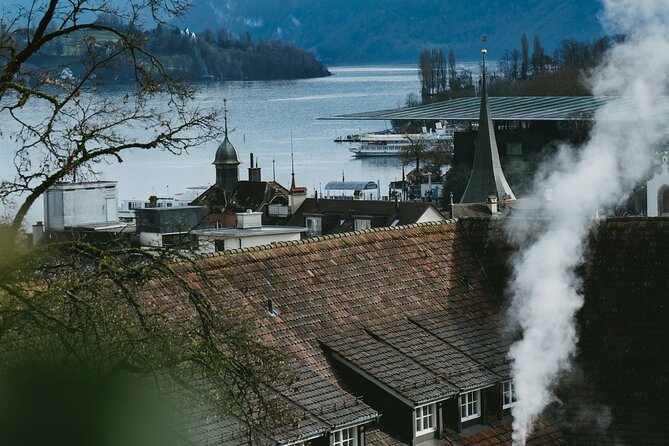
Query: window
point(345, 437)
point(362, 223)
point(470, 405)
point(508, 394)
point(313, 225)
point(425, 419)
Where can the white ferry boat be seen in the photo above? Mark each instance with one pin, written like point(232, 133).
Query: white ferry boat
point(394, 144)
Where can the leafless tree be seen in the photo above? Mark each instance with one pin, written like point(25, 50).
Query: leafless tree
point(71, 305)
point(76, 127)
point(524, 51)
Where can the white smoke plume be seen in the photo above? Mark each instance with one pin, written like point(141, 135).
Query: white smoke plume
point(598, 175)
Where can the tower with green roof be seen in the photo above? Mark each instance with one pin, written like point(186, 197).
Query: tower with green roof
point(226, 160)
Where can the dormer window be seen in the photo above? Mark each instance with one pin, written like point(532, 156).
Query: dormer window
point(362, 223)
point(313, 225)
point(345, 437)
point(508, 395)
point(470, 405)
point(425, 419)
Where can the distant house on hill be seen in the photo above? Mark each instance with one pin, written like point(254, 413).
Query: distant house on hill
point(415, 352)
point(328, 216)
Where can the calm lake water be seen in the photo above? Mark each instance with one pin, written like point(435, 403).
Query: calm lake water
point(262, 116)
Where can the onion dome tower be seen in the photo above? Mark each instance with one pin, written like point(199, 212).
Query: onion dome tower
point(226, 160)
point(487, 177)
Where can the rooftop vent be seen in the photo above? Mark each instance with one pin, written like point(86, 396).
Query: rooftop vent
point(249, 219)
point(270, 308)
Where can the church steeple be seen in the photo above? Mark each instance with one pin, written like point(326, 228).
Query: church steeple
point(487, 177)
point(226, 160)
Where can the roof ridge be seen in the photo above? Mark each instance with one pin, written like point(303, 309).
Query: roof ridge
point(322, 238)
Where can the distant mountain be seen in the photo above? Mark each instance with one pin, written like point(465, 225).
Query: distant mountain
point(363, 31)
point(378, 31)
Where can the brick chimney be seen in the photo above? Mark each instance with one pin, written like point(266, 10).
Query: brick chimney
point(254, 171)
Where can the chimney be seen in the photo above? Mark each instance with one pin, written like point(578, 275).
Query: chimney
point(492, 204)
point(254, 171)
point(316, 196)
point(451, 206)
point(38, 232)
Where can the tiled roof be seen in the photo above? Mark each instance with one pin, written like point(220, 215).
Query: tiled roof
point(394, 369)
point(247, 195)
point(618, 392)
point(332, 288)
point(498, 433)
point(376, 437)
point(433, 353)
point(624, 347)
point(375, 295)
point(383, 213)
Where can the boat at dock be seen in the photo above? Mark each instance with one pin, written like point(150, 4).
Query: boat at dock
point(395, 144)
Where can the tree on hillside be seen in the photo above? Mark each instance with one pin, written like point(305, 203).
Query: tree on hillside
point(537, 56)
point(524, 52)
point(71, 309)
point(432, 72)
point(452, 72)
point(425, 73)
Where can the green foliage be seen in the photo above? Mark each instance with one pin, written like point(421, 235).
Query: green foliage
point(70, 312)
point(212, 55)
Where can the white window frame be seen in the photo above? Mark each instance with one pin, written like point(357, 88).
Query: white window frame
point(425, 419)
point(345, 437)
point(470, 405)
point(316, 226)
point(509, 398)
point(362, 223)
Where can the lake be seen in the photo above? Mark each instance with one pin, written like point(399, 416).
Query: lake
point(262, 116)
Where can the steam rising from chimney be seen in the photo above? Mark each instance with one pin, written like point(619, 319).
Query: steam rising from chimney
point(600, 174)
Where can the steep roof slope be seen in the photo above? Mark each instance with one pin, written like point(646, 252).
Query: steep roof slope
point(367, 289)
point(618, 393)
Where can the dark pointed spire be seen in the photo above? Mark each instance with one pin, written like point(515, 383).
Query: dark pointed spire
point(487, 177)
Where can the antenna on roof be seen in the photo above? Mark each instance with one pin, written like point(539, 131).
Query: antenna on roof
point(273, 170)
point(225, 116)
point(292, 163)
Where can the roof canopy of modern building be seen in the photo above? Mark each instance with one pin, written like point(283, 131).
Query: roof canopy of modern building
point(487, 178)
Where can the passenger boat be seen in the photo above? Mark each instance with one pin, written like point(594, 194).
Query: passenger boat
point(395, 144)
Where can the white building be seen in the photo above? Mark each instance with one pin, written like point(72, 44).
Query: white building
point(248, 233)
point(69, 205)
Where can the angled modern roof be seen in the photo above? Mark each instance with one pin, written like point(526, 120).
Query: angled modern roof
point(505, 108)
